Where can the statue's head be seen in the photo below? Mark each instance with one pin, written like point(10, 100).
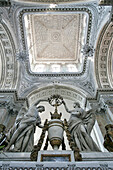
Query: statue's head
point(76, 105)
point(40, 109)
point(109, 127)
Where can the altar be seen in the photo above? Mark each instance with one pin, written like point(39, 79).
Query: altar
point(90, 161)
point(53, 134)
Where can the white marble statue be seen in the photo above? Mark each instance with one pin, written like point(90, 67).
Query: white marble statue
point(80, 126)
point(21, 135)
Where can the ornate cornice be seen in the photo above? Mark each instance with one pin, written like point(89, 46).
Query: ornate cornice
point(4, 96)
point(101, 93)
point(53, 1)
point(102, 164)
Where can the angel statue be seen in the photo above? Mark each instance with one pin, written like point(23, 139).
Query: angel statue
point(21, 135)
point(81, 123)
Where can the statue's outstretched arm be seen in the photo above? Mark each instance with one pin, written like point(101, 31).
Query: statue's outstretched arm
point(69, 111)
point(40, 125)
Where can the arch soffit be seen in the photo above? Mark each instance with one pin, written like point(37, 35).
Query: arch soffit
point(103, 57)
point(9, 66)
point(70, 93)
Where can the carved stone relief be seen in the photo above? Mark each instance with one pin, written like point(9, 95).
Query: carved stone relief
point(61, 166)
point(65, 92)
point(24, 86)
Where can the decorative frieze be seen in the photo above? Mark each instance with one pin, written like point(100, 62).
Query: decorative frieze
point(65, 92)
point(57, 166)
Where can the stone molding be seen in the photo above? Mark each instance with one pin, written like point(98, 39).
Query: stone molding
point(52, 1)
point(8, 95)
point(110, 60)
point(89, 165)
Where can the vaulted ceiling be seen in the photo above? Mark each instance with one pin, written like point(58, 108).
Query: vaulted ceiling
point(56, 42)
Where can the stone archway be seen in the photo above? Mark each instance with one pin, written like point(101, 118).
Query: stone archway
point(67, 92)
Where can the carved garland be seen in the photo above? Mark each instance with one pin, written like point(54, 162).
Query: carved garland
point(36, 10)
point(102, 54)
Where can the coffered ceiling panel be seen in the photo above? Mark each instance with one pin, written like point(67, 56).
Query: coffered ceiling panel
point(56, 38)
